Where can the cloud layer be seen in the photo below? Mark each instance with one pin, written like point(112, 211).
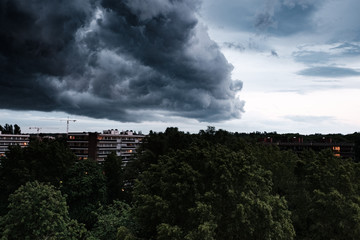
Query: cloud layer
point(123, 60)
point(334, 72)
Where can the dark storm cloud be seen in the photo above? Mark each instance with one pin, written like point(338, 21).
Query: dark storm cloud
point(334, 72)
point(123, 60)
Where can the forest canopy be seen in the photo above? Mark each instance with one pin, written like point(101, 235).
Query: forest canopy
point(210, 185)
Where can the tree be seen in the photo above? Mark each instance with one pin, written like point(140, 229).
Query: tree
point(324, 201)
point(8, 129)
point(113, 168)
point(125, 234)
point(17, 129)
point(321, 190)
point(85, 189)
point(209, 193)
point(280, 163)
point(39, 211)
point(333, 216)
point(45, 161)
point(167, 232)
point(153, 146)
point(110, 218)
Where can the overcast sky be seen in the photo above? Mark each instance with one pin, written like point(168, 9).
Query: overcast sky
point(239, 65)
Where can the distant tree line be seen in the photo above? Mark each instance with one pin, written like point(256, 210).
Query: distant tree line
point(10, 129)
point(210, 185)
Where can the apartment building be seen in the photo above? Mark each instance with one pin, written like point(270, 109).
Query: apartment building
point(297, 144)
point(7, 140)
point(83, 144)
point(98, 145)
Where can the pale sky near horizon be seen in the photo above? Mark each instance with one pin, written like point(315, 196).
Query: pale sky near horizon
point(261, 65)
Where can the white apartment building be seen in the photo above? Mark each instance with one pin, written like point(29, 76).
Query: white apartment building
point(123, 143)
point(7, 140)
point(98, 145)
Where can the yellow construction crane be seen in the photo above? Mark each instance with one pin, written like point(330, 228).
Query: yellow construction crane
point(67, 123)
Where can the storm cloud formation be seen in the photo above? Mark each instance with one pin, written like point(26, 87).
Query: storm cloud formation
point(123, 60)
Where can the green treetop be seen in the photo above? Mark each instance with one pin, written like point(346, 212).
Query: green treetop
point(39, 211)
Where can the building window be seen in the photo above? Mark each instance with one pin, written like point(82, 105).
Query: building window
point(336, 148)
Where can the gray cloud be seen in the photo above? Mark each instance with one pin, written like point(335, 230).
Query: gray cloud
point(121, 60)
point(337, 21)
point(329, 72)
point(264, 21)
point(286, 17)
point(275, 17)
point(274, 53)
point(350, 49)
point(233, 45)
point(311, 57)
point(251, 44)
point(309, 118)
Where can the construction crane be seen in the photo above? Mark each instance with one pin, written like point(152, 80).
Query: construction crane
point(67, 123)
point(37, 129)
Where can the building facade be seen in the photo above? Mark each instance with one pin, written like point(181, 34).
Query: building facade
point(83, 144)
point(98, 145)
point(7, 140)
point(297, 144)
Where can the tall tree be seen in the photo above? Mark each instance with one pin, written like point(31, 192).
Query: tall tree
point(85, 187)
point(113, 168)
point(112, 217)
point(332, 215)
point(281, 164)
point(324, 201)
point(209, 193)
point(39, 211)
point(7, 129)
point(45, 161)
point(17, 129)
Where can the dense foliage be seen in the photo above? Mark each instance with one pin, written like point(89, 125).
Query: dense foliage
point(10, 129)
point(209, 193)
point(210, 185)
point(84, 186)
point(45, 161)
point(39, 211)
